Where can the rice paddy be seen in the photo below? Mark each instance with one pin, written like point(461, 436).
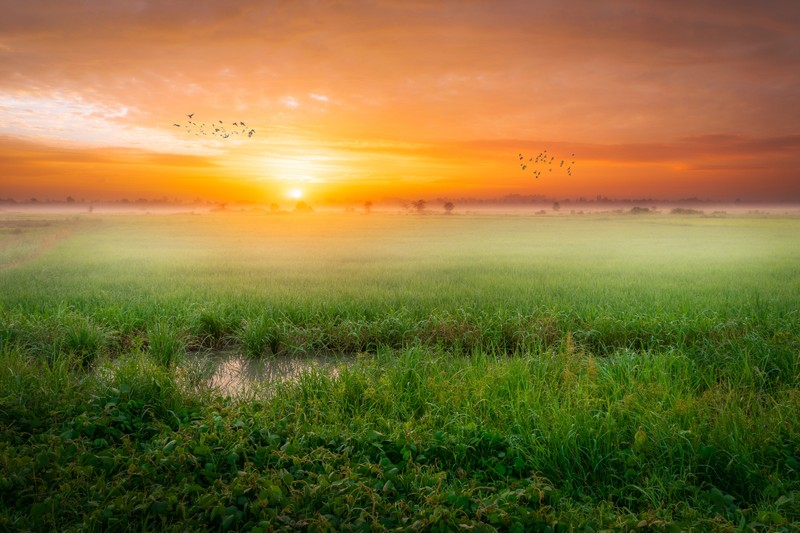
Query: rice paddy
point(489, 372)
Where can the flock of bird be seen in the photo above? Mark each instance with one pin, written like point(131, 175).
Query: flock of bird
point(217, 129)
point(537, 163)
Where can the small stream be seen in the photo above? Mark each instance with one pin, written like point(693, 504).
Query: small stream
point(233, 373)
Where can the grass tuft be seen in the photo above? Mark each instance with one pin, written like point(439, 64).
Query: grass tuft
point(167, 343)
point(260, 336)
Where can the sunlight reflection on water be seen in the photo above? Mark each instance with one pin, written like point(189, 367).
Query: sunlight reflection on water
point(232, 373)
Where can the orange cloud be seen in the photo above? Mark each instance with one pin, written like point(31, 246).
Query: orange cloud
point(400, 98)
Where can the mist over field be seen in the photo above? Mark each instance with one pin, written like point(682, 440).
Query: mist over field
point(616, 370)
point(524, 266)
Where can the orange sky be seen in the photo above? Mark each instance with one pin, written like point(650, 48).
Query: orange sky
point(399, 98)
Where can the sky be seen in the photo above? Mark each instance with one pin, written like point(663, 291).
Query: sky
point(356, 101)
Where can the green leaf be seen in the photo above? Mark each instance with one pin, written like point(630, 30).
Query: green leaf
point(39, 510)
point(159, 507)
point(42, 459)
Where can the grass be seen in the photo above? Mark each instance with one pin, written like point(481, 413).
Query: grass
point(259, 336)
point(505, 373)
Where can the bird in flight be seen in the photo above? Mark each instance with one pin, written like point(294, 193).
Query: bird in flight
point(190, 115)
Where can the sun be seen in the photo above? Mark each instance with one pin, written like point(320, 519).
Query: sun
point(295, 193)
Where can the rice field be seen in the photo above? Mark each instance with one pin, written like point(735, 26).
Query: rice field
point(491, 372)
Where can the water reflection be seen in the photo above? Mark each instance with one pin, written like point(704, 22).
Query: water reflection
point(234, 374)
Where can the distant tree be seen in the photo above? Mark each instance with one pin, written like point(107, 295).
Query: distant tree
point(556, 206)
point(274, 207)
point(419, 205)
point(368, 207)
point(302, 207)
point(448, 207)
point(686, 211)
point(91, 208)
point(70, 200)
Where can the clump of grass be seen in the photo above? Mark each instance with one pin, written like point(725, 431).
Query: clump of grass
point(83, 339)
point(64, 332)
point(166, 342)
point(211, 328)
point(259, 336)
point(33, 390)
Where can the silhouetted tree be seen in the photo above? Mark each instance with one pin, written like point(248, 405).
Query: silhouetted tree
point(448, 207)
point(368, 207)
point(419, 205)
point(556, 206)
point(274, 207)
point(302, 207)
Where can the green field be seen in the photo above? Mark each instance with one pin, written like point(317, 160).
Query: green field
point(493, 372)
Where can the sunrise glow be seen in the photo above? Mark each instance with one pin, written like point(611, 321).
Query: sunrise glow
point(240, 102)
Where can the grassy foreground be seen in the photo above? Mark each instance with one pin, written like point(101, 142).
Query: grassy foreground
point(504, 373)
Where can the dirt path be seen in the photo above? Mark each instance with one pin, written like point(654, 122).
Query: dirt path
point(47, 242)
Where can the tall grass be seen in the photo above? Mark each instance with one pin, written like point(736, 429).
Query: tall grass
point(166, 342)
point(260, 335)
point(505, 373)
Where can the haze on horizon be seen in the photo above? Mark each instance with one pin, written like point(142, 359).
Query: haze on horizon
point(367, 100)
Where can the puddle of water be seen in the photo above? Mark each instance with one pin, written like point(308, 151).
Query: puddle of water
point(234, 374)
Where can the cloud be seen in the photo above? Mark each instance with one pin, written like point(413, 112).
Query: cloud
point(625, 82)
point(725, 150)
point(290, 101)
point(71, 119)
point(25, 152)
